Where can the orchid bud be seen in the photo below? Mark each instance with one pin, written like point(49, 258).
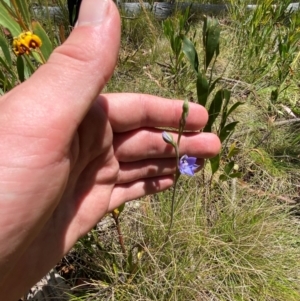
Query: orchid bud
point(168, 138)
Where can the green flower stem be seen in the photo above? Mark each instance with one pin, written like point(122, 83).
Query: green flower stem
point(182, 123)
point(115, 216)
point(176, 177)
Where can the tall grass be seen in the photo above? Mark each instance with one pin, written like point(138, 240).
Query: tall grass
point(234, 240)
point(231, 240)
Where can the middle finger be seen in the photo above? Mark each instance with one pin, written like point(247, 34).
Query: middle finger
point(147, 143)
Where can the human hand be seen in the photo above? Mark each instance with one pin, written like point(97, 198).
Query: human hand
point(69, 156)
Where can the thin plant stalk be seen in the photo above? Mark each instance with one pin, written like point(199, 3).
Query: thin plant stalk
point(182, 123)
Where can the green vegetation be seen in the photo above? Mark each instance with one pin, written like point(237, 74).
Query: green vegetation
point(233, 237)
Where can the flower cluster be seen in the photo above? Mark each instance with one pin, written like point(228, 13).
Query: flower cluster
point(25, 42)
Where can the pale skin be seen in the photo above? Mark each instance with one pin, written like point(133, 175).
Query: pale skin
point(69, 156)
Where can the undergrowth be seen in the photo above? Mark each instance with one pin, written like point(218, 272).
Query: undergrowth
point(231, 240)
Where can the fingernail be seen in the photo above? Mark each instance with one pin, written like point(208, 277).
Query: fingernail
point(92, 12)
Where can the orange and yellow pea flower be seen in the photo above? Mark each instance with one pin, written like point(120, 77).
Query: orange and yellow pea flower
point(25, 42)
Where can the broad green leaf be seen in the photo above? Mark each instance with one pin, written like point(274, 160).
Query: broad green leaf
point(233, 107)
point(29, 67)
point(226, 95)
point(9, 7)
point(37, 56)
point(191, 53)
point(223, 177)
point(8, 22)
point(226, 177)
point(235, 175)
point(20, 68)
point(213, 85)
point(47, 46)
point(214, 109)
point(211, 39)
point(227, 130)
point(214, 163)
point(5, 50)
point(228, 167)
point(202, 89)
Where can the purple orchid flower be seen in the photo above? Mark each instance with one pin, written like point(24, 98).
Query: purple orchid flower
point(187, 165)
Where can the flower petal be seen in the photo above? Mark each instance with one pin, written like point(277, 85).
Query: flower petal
point(187, 165)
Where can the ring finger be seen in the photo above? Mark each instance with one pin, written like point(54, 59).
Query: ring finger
point(148, 168)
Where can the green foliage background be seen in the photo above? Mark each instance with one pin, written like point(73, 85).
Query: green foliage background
point(232, 238)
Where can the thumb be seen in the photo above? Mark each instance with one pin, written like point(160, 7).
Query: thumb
point(76, 71)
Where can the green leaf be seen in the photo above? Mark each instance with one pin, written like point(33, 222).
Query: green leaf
point(228, 167)
point(5, 50)
point(29, 67)
point(233, 150)
point(211, 39)
point(223, 177)
point(213, 85)
point(227, 130)
point(121, 208)
point(235, 175)
point(177, 45)
point(214, 110)
point(47, 46)
point(190, 51)
point(226, 97)
point(202, 89)
point(214, 163)
point(9, 7)
point(37, 56)
point(7, 2)
point(6, 67)
point(130, 260)
point(7, 21)
point(115, 268)
point(20, 68)
point(168, 28)
point(233, 107)
point(226, 177)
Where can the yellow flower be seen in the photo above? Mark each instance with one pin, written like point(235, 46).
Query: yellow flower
point(116, 211)
point(25, 42)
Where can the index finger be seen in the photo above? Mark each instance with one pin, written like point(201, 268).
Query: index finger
point(128, 111)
